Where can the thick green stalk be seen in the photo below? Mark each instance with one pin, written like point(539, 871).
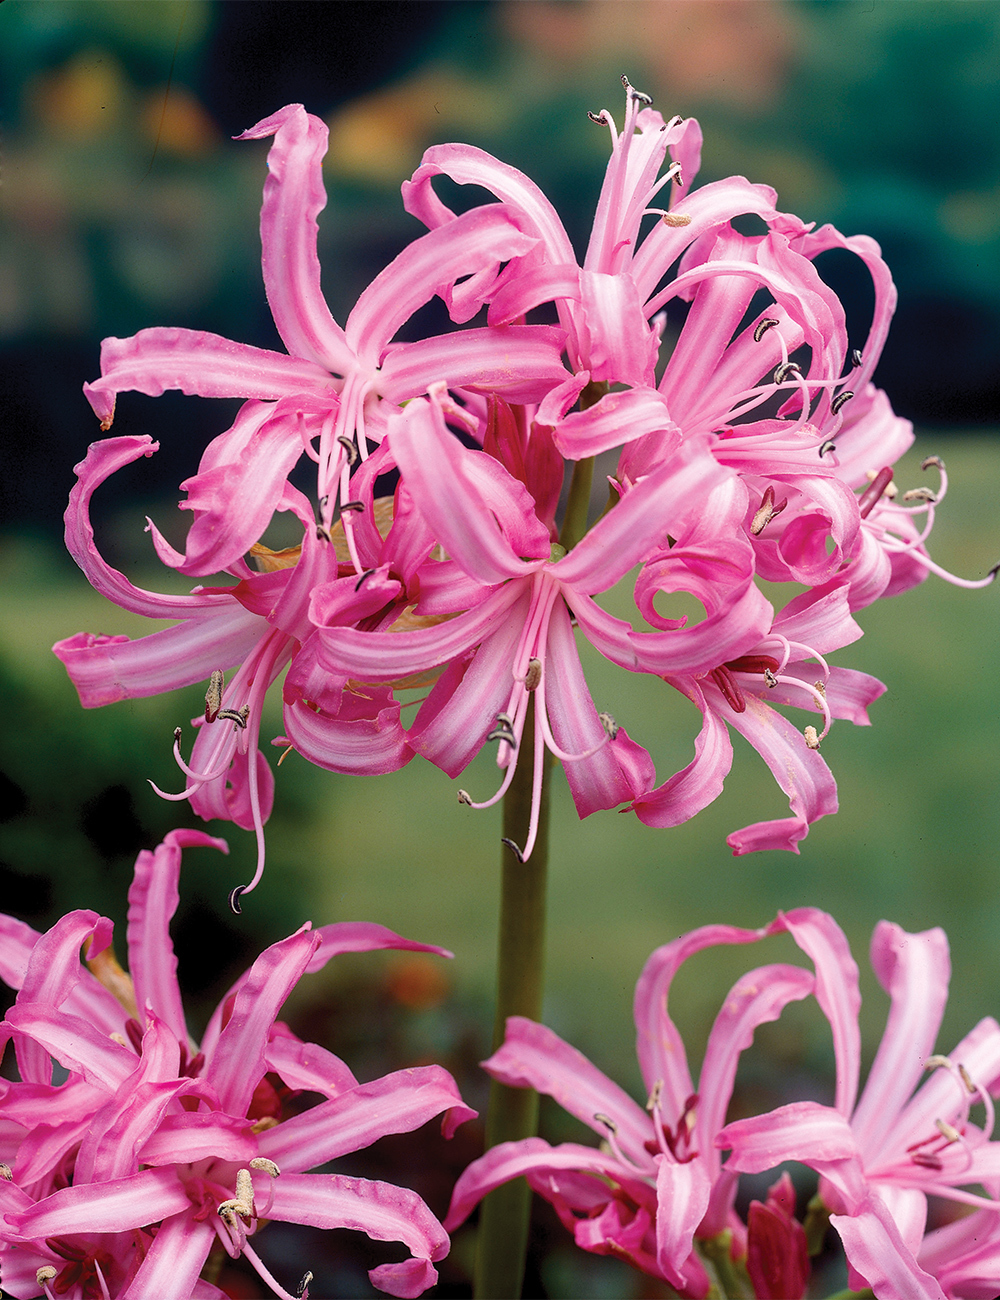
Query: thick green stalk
point(580, 484)
point(513, 1112)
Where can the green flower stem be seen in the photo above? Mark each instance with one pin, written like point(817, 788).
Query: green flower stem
point(581, 482)
point(513, 1112)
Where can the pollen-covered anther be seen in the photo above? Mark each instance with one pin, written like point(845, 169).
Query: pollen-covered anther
point(534, 674)
point(841, 401)
point(120, 1039)
point(6, 1173)
point(770, 679)
point(967, 1080)
point(242, 1203)
point(932, 461)
point(676, 219)
point(786, 370)
point(213, 696)
point(653, 1100)
point(45, 1274)
point(812, 737)
point(465, 797)
point(267, 1166)
point(947, 1131)
point(763, 326)
point(766, 511)
point(821, 687)
point(600, 118)
point(606, 1121)
point(609, 725)
point(921, 494)
point(302, 1290)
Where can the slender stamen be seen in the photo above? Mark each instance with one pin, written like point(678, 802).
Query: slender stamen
point(268, 1278)
point(611, 1129)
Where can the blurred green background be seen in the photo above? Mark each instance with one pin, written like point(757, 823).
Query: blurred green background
point(124, 204)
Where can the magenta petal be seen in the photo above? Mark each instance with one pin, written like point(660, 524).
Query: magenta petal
point(617, 418)
point(914, 969)
point(410, 1278)
point(77, 1045)
point(114, 1206)
point(362, 936)
point(877, 1253)
point(369, 744)
point(307, 1066)
point(803, 1131)
point(682, 1193)
point(757, 998)
point(532, 1056)
point(237, 1063)
point(693, 788)
point(837, 992)
point(383, 1212)
point(152, 901)
point(395, 1103)
point(197, 363)
point(293, 197)
point(174, 1260)
point(521, 363)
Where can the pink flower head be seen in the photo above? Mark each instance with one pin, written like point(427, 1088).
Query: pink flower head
point(658, 1185)
point(883, 1153)
point(155, 1147)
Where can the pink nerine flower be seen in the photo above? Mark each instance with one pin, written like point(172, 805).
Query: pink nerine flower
point(156, 1147)
point(658, 1185)
point(883, 1156)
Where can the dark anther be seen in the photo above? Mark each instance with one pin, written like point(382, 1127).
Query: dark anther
point(239, 716)
point(994, 571)
point(766, 511)
point(856, 358)
point(363, 579)
point(636, 94)
point(762, 328)
point(321, 534)
point(730, 688)
point(323, 500)
point(870, 497)
point(177, 735)
point(234, 899)
point(840, 400)
point(826, 447)
point(934, 461)
point(352, 505)
point(503, 731)
point(464, 797)
point(300, 1290)
point(513, 848)
point(607, 1121)
point(609, 725)
point(783, 371)
point(770, 678)
point(597, 117)
point(213, 696)
point(349, 447)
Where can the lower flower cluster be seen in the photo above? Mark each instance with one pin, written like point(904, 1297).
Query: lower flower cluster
point(660, 1191)
point(154, 1151)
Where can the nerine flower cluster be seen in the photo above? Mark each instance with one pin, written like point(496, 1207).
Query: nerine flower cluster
point(424, 617)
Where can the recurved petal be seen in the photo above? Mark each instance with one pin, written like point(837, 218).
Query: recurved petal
point(755, 999)
point(237, 1062)
point(512, 1159)
point(877, 1253)
point(803, 1131)
point(172, 1264)
point(478, 238)
point(102, 460)
point(798, 770)
point(693, 788)
point(914, 969)
point(152, 901)
point(380, 1210)
point(198, 363)
point(362, 936)
point(617, 418)
point(293, 197)
point(837, 992)
point(532, 1056)
point(396, 1103)
point(520, 363)
point(114, 1206)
